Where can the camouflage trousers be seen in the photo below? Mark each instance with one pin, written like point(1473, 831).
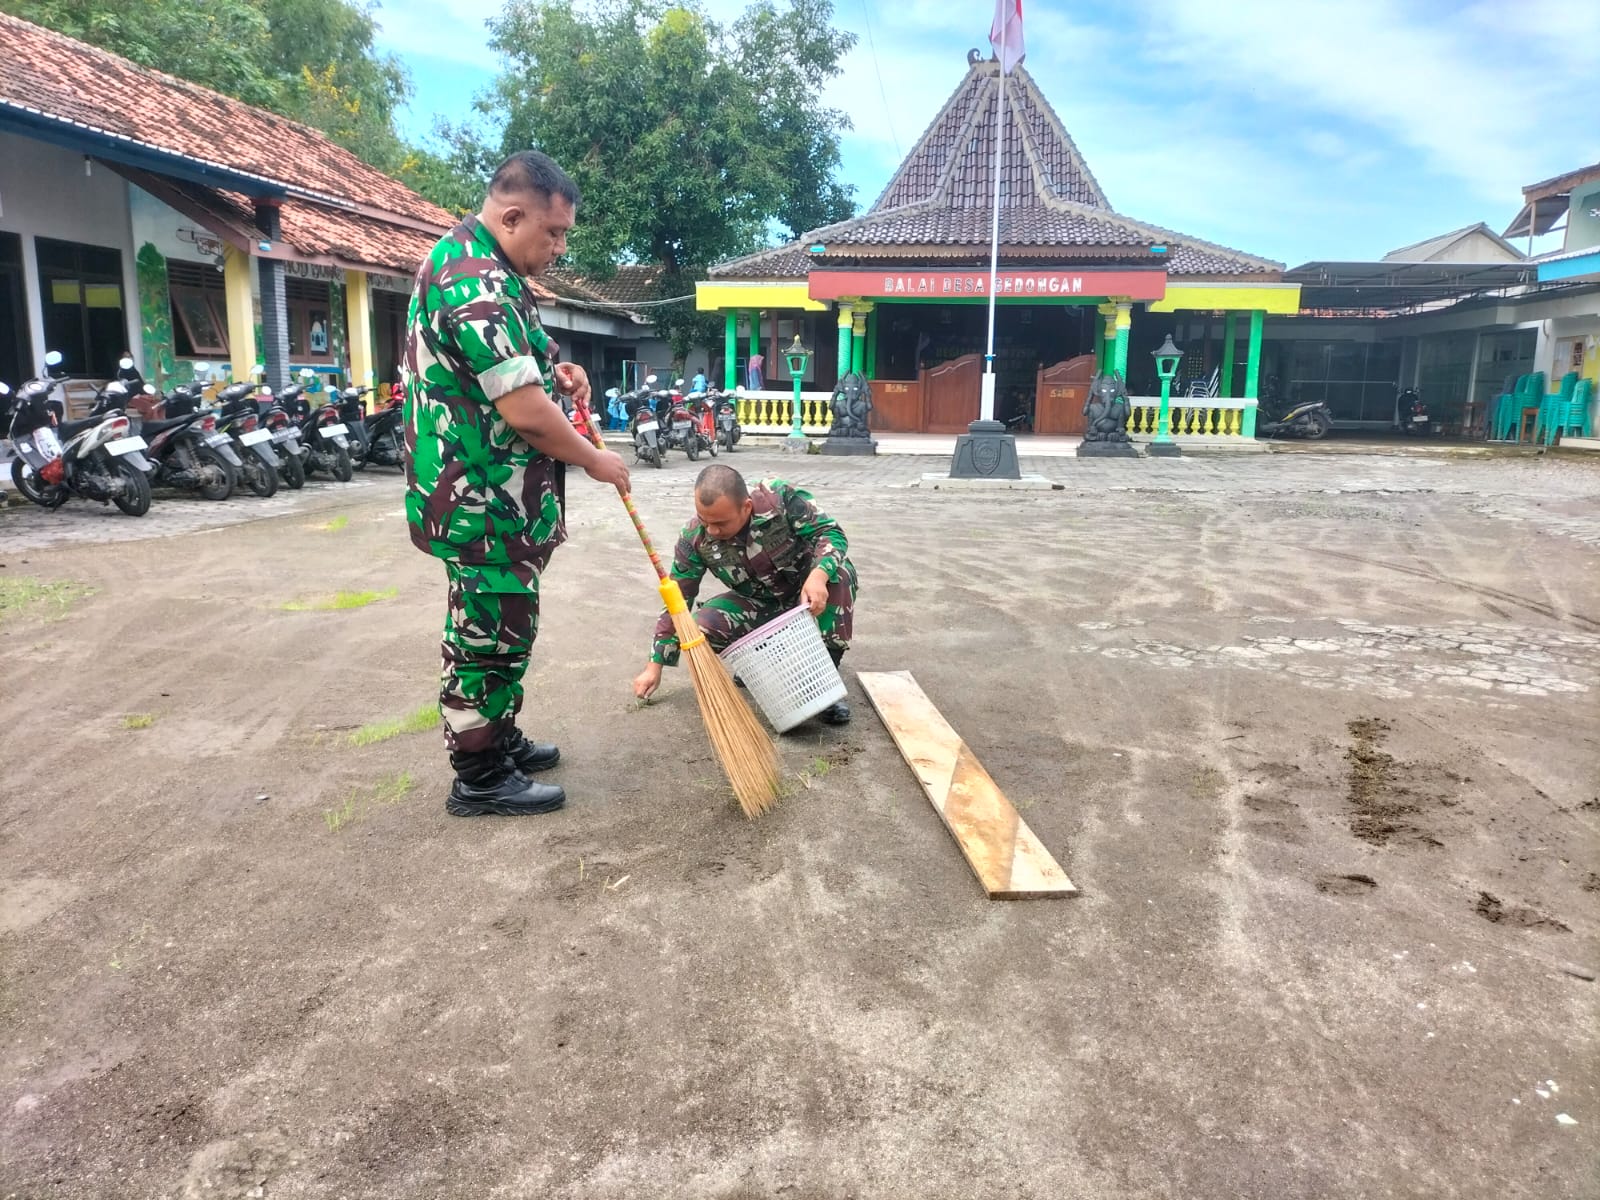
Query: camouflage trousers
point(490, 625)
point(726, 618)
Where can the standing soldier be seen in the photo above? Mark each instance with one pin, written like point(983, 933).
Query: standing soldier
point(775, 549)
point(486, 440)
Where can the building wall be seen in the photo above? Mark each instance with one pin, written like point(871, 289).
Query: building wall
point(1583, 230)
point(45, 193)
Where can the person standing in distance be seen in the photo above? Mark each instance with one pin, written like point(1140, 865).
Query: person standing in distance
point(486, 441)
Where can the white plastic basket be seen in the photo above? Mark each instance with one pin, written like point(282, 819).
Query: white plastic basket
point(787, 668)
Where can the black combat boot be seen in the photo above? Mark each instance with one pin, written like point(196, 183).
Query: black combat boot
point(839, 713)
point(486, 783)
point(527, 757)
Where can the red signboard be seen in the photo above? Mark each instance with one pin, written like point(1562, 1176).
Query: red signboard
point(1052, 283)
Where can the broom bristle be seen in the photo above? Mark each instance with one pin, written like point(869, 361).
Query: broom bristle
point(748, 757)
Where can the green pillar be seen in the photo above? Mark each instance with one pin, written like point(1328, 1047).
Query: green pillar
point(1229, 333)
point(872, 344)
point(730, 350)
point(858, 348)
point(846, 318)
point(1120, 350)
point(1252, 372)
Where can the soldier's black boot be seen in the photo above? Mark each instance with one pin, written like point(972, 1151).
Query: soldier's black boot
point(835, 714)
point(525, 756)
point(486, 783)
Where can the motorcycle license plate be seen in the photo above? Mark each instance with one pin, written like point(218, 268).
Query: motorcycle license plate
point(1414, 420)
point(648, 426)
point(727, 421)
point(218, 439)
point(334, 430)
point(283, 435)
point(255, 437)
point(126, 445)
point(680, 426)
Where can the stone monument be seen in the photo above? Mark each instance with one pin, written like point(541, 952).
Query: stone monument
point(852, 402)
point(1105, 432)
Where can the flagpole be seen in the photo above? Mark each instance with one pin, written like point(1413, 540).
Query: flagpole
point(986, 404)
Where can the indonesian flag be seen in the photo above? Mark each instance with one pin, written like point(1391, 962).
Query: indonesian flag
point(1005, 34)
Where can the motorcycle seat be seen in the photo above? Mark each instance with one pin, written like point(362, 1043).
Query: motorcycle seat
point(155, 428)
point(68, 430)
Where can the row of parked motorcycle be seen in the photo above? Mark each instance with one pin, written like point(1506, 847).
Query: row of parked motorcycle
point(135, 439)
point(660, 419)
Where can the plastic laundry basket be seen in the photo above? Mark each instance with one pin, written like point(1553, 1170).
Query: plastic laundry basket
point(787, 668)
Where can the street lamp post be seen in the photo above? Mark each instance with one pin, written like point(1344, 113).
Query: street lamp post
point(1167, 359)
point(796, 357)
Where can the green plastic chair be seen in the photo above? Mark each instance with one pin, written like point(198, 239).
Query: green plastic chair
point(1572, 419)
point(1552, 407)
point(1501, 412)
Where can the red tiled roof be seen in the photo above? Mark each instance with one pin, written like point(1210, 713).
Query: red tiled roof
point(56, 77)
point(1051, 207)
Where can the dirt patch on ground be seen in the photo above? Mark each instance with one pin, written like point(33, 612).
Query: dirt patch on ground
point(1381, 810)
point(1346, 885)
point(1493, 910)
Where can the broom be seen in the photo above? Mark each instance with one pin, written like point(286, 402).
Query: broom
point(748, 757)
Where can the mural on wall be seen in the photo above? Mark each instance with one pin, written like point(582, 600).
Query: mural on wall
point(155, 318)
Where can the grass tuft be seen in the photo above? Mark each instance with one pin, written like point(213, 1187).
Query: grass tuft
point(419, 721)
point(17, 596)
point(391, 789)
point(340, 601)
point(138, 720)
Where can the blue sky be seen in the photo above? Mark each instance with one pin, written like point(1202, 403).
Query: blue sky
point(1296, 129)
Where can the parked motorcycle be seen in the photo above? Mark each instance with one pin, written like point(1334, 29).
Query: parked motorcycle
point(643, 426)
point(705, 421)
point(284, 439)
point(1415, 420)
point(97, 458)
point(681, 431)
point(353, 416)
point(327, 445)
point(1308, 419)
point(725, 406)
point(239, 417)
point(386, 433)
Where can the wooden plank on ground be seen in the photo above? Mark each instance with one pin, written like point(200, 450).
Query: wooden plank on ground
point(1009, 861)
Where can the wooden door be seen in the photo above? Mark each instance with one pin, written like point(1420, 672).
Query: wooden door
point(1059, 396)
point(951, 394)
point(897, 405)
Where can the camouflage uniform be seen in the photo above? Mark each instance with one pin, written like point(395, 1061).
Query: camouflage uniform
point(477, 495)
point(788, 536)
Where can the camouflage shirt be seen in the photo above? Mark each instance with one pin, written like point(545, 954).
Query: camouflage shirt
point(476, 493)
point(787, 538)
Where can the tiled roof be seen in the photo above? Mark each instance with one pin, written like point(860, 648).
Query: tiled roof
point(1051, 206)
point(53, 76)
point(632, 284)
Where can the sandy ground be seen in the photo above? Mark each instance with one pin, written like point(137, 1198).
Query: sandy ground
point(1315, 735)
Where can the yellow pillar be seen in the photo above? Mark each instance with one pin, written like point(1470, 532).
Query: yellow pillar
point(358, 326)
point(241, 313)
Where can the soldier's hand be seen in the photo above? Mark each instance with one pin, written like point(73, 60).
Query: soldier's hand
point(572, 380)
point(647, 681)
point(608, 467)
point(814, 592)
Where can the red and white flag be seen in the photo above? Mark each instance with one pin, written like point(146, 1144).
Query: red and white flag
point(1005, 34)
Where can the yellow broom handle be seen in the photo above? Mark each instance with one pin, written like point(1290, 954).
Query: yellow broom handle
point(589, 427)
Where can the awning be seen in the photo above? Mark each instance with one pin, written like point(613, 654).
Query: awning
point(1401, 286)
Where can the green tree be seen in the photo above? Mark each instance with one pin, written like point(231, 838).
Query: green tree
point(223, 44)
point(692, 141)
